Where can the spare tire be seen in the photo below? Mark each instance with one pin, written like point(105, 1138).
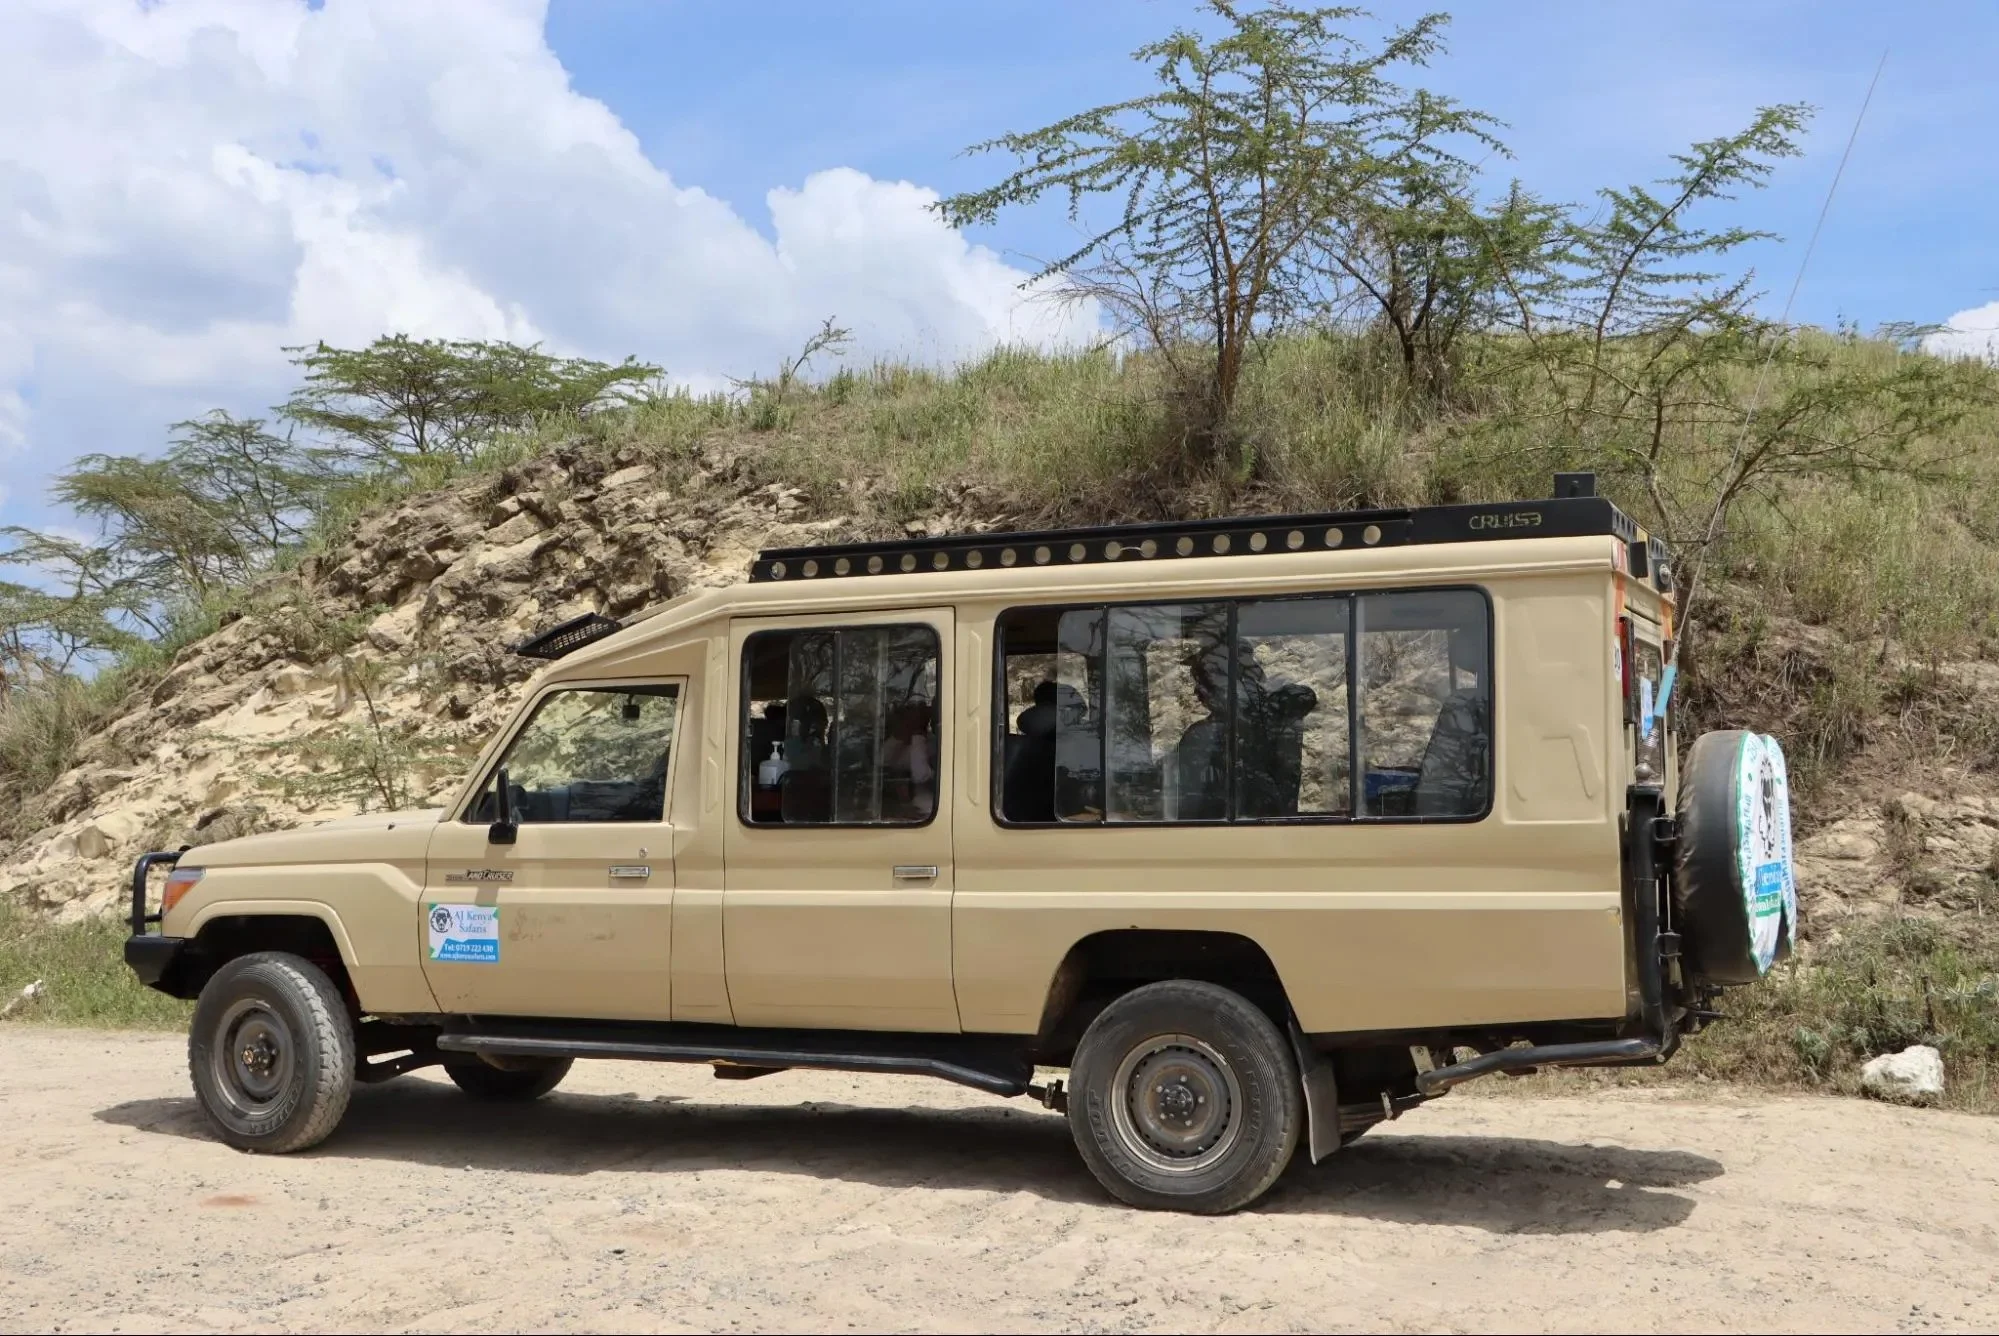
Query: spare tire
point(1735, 895)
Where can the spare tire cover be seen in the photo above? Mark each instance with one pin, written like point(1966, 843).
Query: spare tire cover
point(1736, 892)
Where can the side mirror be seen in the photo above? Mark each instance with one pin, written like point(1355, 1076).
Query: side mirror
point(505, 828)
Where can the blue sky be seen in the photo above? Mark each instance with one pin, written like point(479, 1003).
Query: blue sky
point(188, 185)
point(1595, 94)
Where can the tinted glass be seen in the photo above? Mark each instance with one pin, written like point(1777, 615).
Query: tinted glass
point(1324, 708)
point(1167, 708)
point(593, 754)
point(1425, 704)
point(840, 727)
point(1050, 766)
point(1292, 754)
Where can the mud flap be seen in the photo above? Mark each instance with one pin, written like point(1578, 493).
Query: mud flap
point(1322, 1096)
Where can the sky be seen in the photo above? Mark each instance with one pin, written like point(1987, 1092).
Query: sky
point(189, 186)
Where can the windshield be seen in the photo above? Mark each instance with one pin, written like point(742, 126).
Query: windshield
point(589, 754)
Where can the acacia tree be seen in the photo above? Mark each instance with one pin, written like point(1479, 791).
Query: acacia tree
point(1222, 181)
point(83, 607)
point(402, 399)
point(1431, 266)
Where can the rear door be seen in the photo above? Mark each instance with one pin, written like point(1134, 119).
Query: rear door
point(837, 899)
point(574, 918)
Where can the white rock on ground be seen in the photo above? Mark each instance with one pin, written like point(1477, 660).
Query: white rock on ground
point(27, 995)
point(1913, 1076)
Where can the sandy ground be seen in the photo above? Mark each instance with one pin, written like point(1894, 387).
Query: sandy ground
point(657, 1198)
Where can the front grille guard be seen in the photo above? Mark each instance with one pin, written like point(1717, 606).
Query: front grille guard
point(141, 874)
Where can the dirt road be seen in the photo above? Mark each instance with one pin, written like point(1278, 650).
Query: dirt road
point(642, 1197)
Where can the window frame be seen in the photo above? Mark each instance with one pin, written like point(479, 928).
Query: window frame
point(526, 718)
point(746, 773)
point(999, 706)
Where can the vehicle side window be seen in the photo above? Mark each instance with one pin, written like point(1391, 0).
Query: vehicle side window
point(589, 754)
point(1425, 693)
point(1321, 708)
point(1050, 760)
point(1293, 753)
point(840, 727)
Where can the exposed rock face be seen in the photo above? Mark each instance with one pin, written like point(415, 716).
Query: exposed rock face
point(440, 586)
point(1914, 852)
point(1913, 1076)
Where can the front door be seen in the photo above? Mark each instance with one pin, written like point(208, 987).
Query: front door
point(836, 907)
point(574, 917)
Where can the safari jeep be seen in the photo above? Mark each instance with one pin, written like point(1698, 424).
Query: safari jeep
point(1263, 830)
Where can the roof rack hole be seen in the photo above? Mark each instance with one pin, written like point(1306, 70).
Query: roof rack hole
point(1007, 557)
point(1185, 547)
point(842, 566)
point(940, 561)
point(1295, 539)
point(975, 559)
point(811, 568)
point(1371, 534)
point(1221, 543)
point(1077, 551)
point(1112, 551)
point(777, 570)
point(1148, 548)
point(1257, 542)
point(1041, 555)
point(1334, 538)
point(874, 565)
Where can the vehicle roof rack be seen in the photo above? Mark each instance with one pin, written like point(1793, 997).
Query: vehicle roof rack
point(1577, 512)
point(570, 636)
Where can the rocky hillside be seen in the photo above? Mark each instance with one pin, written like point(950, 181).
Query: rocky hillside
point(404, 629)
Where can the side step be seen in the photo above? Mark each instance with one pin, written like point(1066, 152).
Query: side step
point(993, 1064)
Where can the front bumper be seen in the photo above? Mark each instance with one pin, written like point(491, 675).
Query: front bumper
point(154, 958)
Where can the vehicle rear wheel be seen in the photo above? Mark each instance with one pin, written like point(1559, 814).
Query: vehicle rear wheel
point(271, 1053)
point(521, 1079)
point(1185, 1097)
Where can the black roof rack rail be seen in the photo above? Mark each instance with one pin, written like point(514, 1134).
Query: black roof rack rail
point(570, 636)
point(1578, 512)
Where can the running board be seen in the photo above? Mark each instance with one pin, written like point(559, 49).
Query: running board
point(1598, 1053)
point(989, 1064)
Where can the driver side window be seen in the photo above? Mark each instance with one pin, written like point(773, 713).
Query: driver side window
point(589, 754)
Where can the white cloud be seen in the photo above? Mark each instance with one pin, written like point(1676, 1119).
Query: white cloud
point(187, 186)
point(1973, 333)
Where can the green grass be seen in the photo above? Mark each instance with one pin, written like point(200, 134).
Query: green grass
point(1879, 988)
point(81, 967)
point(1813, 1022)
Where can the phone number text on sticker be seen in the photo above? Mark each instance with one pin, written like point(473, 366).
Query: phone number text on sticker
point(467, 934)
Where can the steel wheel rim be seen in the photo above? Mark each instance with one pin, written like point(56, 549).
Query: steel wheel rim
point(253, 1060)
point(1176, 1104)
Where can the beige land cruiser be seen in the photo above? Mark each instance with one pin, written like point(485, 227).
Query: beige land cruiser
point(1265, 830)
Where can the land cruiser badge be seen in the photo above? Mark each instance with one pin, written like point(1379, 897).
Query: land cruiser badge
point(475, 875)
point(464, 934)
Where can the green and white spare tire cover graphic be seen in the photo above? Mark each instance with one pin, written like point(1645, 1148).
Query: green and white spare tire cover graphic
point(1735, 891)
point(1763, 848)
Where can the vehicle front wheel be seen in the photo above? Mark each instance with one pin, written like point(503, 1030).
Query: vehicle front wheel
point(521, 1079)
point(1184, 1096)
point(271, 1053)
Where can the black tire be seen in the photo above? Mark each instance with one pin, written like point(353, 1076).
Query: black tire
point(1203, 1048)
point(1716, 912)
point(522, 1079)
point(271, 1053)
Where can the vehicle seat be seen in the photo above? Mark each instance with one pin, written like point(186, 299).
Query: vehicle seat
point(1454, 778)
point(1200, 772)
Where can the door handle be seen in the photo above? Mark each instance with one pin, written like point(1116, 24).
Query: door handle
point(915, 872)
